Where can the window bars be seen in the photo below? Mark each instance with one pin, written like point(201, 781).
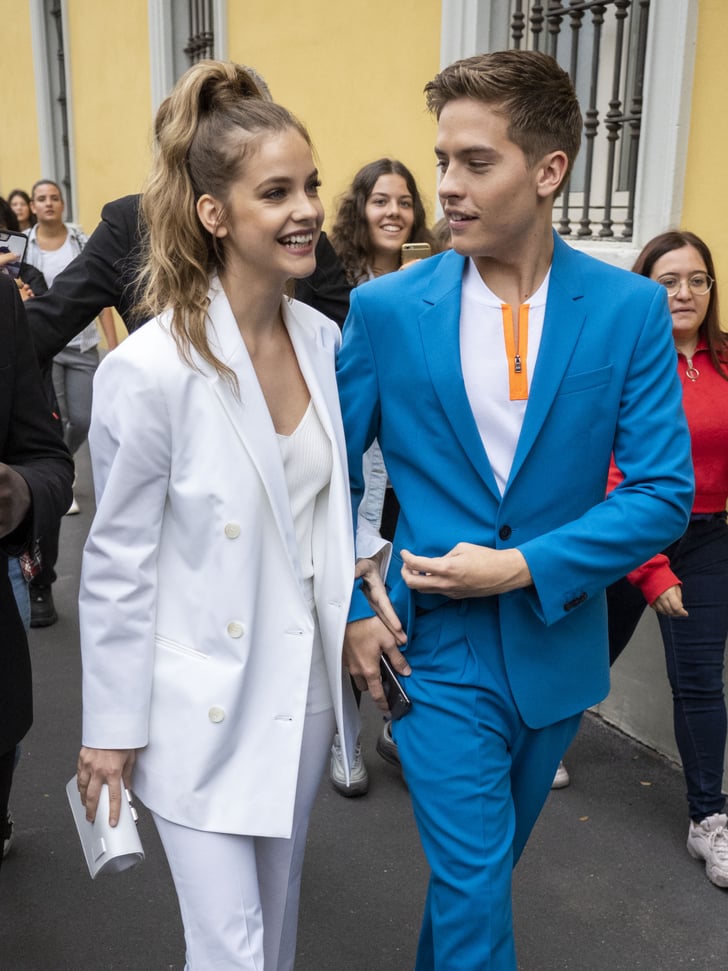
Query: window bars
point(603, 46)
point(201, 40)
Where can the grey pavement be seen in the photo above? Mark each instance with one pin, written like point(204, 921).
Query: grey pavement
point(605, 883)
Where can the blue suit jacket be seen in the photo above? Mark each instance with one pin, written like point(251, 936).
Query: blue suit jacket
point(605, 381)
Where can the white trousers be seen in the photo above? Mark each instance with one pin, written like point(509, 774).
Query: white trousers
point(239, 894)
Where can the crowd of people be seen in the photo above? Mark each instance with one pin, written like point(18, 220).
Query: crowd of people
point(314, 454)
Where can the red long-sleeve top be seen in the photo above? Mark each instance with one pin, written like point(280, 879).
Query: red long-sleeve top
point(705, 401)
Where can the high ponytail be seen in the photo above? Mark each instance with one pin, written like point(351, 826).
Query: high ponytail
point(202, 132)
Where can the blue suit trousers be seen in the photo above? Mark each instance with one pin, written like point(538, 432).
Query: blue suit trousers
point(478, 777)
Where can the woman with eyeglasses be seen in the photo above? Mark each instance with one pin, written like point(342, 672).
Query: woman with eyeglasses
point(687, 585)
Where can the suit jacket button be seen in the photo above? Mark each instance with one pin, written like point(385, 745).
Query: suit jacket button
point(505, 532)
point(216, 714)
point(232, 530)
point(235, 629)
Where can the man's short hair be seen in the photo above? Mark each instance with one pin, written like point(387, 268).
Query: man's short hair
point(529, 88)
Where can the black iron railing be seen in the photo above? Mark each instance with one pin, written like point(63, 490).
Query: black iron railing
point(602, 45)
point(201, 39)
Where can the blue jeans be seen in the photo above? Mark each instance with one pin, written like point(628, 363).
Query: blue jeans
point(20, 590)
point(694, 654)
point(9, 760)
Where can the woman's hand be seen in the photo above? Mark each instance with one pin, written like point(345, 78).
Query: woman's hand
point(368, 571)
point(99, 766)
point(365, 640)
point(670, 603)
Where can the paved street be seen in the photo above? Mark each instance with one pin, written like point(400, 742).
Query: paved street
point(605, 884)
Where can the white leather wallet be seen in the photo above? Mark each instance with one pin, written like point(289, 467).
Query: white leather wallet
point(108, 849)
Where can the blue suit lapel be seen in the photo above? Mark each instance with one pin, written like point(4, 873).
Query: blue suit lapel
point(563, 324)
point(439, 326)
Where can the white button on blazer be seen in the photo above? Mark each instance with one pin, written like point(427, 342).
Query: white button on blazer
point(177, 461)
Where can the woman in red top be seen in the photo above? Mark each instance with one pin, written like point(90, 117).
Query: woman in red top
point(688, 585)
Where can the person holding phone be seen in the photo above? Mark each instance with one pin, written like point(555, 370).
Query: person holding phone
point(379, 217)
point(13, 246)
point(380, 212)
point(19, 201)
point(217, 574)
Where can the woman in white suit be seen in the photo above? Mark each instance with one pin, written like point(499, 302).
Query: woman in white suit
point(217, 574)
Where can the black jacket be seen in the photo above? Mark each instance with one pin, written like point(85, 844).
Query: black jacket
point(31, 446)
point(103, 274)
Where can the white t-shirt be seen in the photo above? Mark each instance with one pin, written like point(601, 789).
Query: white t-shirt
point(307, 466)
point(52, 261)
point(485, 367)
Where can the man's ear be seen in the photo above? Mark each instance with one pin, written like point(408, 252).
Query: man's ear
point(551, 173)
point(212, 213)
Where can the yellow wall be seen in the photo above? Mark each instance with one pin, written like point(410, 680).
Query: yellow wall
point(705, 209)
point(108, 51)
point(108, 47)
point(19, 158)
point(353, 73)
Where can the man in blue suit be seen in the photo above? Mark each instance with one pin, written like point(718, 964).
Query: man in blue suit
point(499, 378)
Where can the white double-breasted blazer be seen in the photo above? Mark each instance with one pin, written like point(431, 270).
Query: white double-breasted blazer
point(195, 631)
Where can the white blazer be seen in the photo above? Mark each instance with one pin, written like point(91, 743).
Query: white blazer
point(195, 632)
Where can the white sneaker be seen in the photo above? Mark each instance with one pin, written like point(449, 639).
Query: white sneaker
point(74, 509)
point(387, 747)
point(561, 778)
point(359, 778)
point(708, 840)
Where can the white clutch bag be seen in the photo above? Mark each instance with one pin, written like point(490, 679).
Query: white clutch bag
point(108, 849)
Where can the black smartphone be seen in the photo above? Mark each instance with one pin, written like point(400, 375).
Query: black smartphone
point(397, 700)
point(12, 242)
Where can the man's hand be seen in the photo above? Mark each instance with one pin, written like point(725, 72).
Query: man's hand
point(368, 570)
point(14, 499)
point(365, 640)
point(670, 603)
point(467, 571)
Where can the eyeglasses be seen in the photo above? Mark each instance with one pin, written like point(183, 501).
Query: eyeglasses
point(699, 284)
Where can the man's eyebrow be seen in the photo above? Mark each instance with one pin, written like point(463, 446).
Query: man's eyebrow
point(486, 150)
